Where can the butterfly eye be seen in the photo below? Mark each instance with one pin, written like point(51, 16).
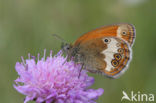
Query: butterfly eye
point(106, 40)
point(115, 63)
point(68, 48)
point(117, 56)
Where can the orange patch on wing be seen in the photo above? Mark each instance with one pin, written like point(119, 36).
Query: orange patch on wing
point(98, 33)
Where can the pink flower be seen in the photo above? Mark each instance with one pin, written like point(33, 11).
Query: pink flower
point(54, 80)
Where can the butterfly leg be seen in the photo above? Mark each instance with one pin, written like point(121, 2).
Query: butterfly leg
point(82, 67)
point(68, 58)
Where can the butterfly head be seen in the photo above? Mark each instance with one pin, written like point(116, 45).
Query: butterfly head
point(66, 47)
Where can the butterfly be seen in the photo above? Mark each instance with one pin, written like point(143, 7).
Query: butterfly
point(106, 50)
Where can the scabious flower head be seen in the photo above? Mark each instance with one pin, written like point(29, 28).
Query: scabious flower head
point(54, 80)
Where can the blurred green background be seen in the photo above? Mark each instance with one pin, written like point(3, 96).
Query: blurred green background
point(26, 27)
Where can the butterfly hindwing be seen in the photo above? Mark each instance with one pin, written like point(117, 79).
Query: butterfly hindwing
point(117, 56)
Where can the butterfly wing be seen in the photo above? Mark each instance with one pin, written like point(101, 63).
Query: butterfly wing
point(107, 55)
point(117, 56)
point(123, 31)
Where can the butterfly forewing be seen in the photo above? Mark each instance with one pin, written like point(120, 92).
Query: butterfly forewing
point(124, 31)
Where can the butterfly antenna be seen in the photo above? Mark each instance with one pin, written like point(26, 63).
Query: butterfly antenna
point(59, 38)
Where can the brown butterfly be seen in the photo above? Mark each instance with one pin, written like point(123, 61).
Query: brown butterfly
point(105, 50)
